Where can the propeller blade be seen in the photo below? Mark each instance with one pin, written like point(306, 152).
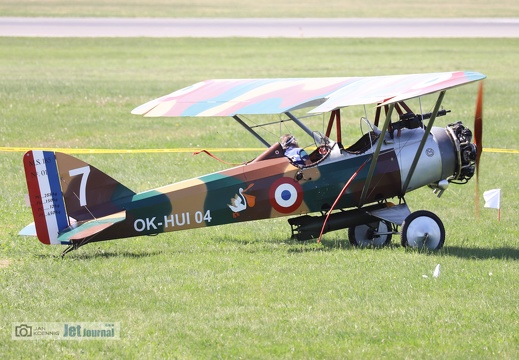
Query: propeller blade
point(478, 138)
point(478, 125)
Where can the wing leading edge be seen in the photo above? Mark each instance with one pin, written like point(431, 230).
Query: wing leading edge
point(229, 97)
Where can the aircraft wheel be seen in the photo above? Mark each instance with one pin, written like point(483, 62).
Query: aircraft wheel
point(423, 230)
point(375, 234)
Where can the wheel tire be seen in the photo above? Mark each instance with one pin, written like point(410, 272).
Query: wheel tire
point(423, 230)
point(364, 235)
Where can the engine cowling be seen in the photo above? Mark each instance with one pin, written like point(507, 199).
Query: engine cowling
point(458, 154)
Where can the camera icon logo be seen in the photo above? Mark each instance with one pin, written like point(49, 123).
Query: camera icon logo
point(23, 330)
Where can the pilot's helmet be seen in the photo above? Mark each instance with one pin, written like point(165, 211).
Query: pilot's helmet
point(287, 141)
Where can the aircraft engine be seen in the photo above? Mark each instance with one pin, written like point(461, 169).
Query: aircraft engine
point(457, 151)
point(466, 152)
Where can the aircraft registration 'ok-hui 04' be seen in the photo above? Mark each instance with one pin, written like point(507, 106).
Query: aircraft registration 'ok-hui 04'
point(361, 187)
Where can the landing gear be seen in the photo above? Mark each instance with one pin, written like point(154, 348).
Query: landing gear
point(423, 230)
point(375, 234)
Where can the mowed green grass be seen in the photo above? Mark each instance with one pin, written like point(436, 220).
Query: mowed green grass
point(266, 8)
point(247, 290)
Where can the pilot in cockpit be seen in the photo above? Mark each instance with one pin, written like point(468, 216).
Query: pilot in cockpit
point(293, 151)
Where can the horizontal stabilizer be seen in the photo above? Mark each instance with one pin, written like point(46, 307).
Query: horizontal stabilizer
point(90, 228)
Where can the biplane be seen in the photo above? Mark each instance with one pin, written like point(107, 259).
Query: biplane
point(360, 187)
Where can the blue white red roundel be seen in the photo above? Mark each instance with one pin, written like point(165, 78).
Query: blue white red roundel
point(286, 195)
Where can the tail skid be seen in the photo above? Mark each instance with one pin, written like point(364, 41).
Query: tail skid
point(66, 195)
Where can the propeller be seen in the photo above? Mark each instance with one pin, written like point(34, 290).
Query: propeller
point(478, 138)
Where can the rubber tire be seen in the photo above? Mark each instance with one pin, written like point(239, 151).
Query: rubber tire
point(355, 232)
point(429, 223)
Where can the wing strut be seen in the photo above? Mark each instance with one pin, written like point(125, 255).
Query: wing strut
point(249, 129)
point(335, 116)
point(375, 155)
point(422, 143)
point(303, 126)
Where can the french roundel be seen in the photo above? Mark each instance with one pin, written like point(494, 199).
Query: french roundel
point(286, 195)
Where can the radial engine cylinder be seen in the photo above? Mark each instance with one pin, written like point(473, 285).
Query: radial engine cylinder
point(458, 153)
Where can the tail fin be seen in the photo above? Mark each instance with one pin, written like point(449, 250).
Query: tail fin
point(64, 189)
point(45, 196)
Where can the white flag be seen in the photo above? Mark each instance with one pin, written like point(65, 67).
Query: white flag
point(492, 198)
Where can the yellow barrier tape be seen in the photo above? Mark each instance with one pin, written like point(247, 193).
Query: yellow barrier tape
point(175, 150)
point(128, 151)
point(507, 151)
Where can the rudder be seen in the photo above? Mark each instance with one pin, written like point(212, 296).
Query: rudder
point(64, 189)
point(45, 196)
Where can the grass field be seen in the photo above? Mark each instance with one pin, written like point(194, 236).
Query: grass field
point(266, 8)
point(247, 291)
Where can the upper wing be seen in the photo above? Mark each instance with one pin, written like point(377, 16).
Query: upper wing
point(274, 96)
point(391, 89)
point(243, 96)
